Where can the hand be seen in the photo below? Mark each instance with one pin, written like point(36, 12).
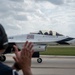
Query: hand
point(23, 57)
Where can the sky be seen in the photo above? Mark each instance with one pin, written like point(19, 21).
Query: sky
point(25, 16)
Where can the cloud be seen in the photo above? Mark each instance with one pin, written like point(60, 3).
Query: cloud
point(20, 17)
point(57, 2)
point(24, 16)
point(17, 0)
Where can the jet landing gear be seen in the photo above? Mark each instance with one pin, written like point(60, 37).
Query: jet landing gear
point(39, 60)
point(2, 58)
point(37, 55)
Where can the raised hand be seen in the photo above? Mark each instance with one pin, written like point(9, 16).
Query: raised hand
point(23, 57)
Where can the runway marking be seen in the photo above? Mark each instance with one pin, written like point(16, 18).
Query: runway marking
point(9, 63)
point(55, 67)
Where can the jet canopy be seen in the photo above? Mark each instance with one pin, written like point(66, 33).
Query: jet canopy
point(44, 32)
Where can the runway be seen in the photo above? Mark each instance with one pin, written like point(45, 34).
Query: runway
point(51, 65)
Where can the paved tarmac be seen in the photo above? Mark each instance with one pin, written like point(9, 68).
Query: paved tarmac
point(51, 65)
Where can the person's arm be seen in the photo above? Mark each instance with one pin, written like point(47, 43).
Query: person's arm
point(16, 66)
point(26, 71)
point(23, 58)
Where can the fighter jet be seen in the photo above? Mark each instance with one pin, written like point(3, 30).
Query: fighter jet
point(40, 41)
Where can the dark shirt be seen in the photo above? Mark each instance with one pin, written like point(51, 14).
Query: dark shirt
point(5, 70)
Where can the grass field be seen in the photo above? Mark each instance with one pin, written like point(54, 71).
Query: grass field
point(69, 51)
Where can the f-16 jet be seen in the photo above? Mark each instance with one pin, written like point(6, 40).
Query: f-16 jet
point(40, 41)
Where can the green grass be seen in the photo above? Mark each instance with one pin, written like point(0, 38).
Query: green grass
point(69, 51)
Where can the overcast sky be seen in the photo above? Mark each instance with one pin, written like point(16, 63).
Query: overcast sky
point(24, 16)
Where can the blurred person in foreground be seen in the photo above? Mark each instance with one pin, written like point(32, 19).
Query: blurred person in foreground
point(22, 58)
